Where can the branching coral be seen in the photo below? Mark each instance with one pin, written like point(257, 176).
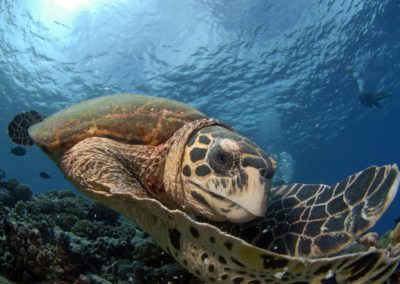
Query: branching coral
point(62, 236)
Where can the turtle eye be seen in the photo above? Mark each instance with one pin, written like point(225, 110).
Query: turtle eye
point(222, 158)
point(221, 161)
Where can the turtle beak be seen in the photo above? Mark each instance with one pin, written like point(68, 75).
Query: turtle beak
point(221, 201)
point(251, 193)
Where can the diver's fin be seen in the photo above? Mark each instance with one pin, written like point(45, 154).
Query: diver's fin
point(382, 95)
point(19, 125)
point(317, 220)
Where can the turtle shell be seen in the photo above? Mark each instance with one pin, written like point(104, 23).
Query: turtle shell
point(128, 118)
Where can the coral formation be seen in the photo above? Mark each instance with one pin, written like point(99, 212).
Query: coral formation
point(12, 191)
point(60, 237)
point(395, 235)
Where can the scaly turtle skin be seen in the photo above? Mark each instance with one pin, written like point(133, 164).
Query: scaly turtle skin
point(159, 162)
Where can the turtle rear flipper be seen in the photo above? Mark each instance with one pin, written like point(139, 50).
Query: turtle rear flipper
point(19, 125)
point(318, 220)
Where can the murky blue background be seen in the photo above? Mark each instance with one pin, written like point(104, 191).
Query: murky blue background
point(281, 72)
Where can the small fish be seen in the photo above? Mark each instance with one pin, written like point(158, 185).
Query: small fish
point(44, 175)
point(18, 151)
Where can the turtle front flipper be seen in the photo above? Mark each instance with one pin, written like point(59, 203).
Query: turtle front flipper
point(318, 220)
point(101, 165)
point(19, 125)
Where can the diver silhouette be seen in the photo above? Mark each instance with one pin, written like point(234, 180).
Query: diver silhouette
point(370, 99)
point(367, 99)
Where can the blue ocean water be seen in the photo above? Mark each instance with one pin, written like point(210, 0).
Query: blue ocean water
point(284, 73)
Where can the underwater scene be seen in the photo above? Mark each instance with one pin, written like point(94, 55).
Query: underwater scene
point(207, 141)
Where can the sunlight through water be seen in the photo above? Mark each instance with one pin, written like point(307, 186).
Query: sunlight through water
point(281, 72)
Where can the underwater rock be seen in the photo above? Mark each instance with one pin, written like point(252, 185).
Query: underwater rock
point(61, 237)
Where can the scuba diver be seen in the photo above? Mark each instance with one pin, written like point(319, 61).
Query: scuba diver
point(367, 99)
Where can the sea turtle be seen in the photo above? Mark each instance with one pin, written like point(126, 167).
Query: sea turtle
point(201, 191)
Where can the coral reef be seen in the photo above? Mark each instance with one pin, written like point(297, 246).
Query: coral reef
point(12, 191)
point(390, 240)
point(395, 235)
point(60, 237)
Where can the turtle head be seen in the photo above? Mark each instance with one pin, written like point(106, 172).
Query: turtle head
point(226, 176)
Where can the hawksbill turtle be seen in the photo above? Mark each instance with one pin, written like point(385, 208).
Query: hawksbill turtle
point(203, 192)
